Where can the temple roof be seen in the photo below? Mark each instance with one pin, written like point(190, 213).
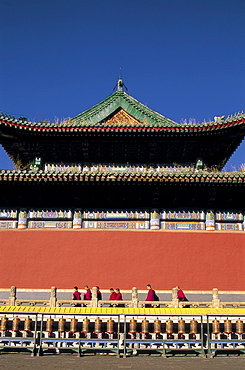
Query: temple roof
point(98, 118)
point(120, 129)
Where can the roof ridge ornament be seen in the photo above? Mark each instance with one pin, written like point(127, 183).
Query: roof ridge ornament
point(121, 85)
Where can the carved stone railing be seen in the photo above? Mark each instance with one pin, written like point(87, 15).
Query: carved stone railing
point(32, 302)
point(114, 303)
point(71, 302)
point(4, 302)
point(232, 305)
point(133, 302)
point(155, 304)
point(195, 304)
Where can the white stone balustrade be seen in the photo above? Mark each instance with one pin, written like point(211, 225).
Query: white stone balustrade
point(135, 302)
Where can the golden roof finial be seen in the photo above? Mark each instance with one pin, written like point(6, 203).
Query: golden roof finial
point(120, 84)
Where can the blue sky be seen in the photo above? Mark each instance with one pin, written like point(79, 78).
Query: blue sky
point(183, 58)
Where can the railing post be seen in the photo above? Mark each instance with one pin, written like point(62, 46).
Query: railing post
point(12, 296)
point(216, 300)
point(175, 301)
point(94, 302)
point(135, 299)
point(53, 297)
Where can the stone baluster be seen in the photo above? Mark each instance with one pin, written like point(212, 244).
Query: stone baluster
point(12, 296)
point(135, 298)
point(215, 300)
point(53, 297)
point(94, 302)
point(175, 301)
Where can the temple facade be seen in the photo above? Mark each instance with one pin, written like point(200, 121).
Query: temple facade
point(120, 166)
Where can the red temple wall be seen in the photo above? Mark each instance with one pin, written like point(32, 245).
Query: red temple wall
point(64, 258)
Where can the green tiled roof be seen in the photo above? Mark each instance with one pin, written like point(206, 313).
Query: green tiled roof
point(94, 119)
point(155, 123)
point(100, 135)
point(120, 99)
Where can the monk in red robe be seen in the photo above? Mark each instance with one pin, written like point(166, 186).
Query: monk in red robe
point(112, 296)
point(150, 295)
point(118, 297)
point(87, 294)
point(99, 295)
point(76, 296)
point(180, 294)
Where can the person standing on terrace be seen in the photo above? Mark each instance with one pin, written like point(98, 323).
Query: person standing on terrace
point(181, 296)
point(150, 295)
point(76, 296)
point(87, 294)
point(112, 296)
point(118, 297)
point(99, 295)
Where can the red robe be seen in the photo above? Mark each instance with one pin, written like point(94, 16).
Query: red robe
point(181, 295)
point(76, 295)
point(87, 295)
point(118, 297)
point(150, 295)
point(112, 296)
